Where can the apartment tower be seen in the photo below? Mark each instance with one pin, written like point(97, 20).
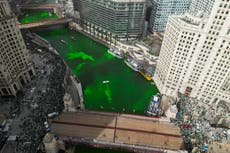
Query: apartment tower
point(15, 69)
point(195, 55)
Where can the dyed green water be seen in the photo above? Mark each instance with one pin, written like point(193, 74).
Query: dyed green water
point(37, 16)
point(85, 149)
point(127, 91)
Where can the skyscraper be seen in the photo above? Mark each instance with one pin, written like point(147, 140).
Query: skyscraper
point(121, 18)
point(203, 7)
point(195, 55)
point(162, 9)
point(15, 69)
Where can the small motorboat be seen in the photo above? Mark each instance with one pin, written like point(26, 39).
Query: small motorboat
point(63, 41)
point(153, 109)
point(116, 53)
point(106, 81)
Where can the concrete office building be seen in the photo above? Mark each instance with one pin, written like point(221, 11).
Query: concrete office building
point(162, 9)
point(123, 19)
point(195, 55)
point(15, 69)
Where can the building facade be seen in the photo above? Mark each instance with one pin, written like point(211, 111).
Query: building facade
point(195, 55)
point(202, 7)
point(15, 68)
point(162, 9)
point(123, 19)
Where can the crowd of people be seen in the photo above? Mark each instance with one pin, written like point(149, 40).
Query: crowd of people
point(28, 111)
point(199, 123)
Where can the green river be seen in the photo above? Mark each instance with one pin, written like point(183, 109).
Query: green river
point(126, 91)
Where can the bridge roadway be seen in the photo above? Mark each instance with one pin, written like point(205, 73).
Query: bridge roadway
point(39, 6)
point(118, 129)
point(47, 22)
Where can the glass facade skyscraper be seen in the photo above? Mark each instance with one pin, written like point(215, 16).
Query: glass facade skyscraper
point(162, 9)
point(121, 18)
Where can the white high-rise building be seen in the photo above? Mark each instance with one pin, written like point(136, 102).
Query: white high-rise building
point(195, 55)
point(15, 69)
point(162, 9)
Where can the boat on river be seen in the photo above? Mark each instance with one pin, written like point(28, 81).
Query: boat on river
point(153, 109)
point(145, 75)
point(116, 53)
point(106, 81)
point(73, 38)
point(132, 64)
point(63, 41)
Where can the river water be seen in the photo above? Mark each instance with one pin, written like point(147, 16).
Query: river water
point(126, 91)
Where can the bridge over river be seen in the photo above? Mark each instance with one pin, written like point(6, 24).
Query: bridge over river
point(118, 129)
point(47, 22)
point(39, 6)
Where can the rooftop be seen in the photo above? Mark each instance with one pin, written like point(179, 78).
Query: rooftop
point(193, 20)
point(189, 21)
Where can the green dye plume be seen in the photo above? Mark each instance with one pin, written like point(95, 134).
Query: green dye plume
point(87, 91)
point(108, 93)
point(82, 55)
